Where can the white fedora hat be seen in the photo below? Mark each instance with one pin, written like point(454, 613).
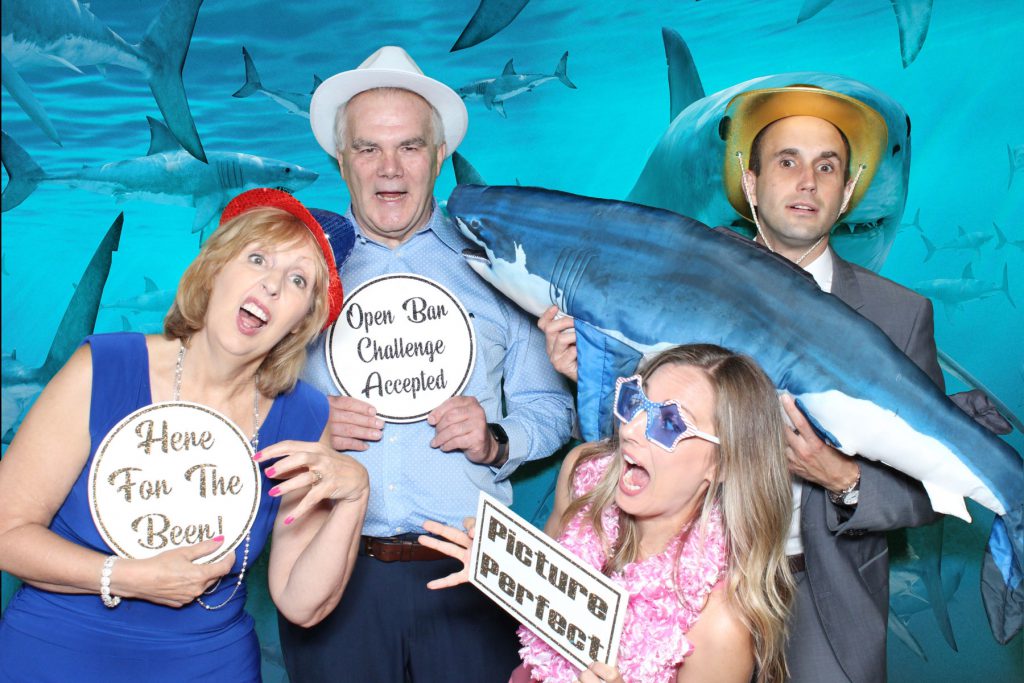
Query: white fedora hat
point(388, 67)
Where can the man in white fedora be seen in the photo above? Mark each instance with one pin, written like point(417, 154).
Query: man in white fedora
point(390, 128)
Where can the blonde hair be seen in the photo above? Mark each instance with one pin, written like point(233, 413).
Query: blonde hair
point(280, 369)
point(751, 488)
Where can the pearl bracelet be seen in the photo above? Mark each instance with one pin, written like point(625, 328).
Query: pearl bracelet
point(109, 600)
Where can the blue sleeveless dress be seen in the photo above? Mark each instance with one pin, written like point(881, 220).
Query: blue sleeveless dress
point(46, 636)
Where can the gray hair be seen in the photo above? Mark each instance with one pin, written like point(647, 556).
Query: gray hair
point(341, 120)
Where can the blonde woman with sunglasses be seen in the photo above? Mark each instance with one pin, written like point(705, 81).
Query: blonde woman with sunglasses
point(687, 506)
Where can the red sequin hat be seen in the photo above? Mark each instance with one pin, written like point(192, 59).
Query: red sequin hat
point(266, 197)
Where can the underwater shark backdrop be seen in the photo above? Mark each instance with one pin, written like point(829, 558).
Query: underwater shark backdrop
point(97, 124)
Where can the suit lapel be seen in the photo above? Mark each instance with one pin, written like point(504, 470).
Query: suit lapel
point(844, 283)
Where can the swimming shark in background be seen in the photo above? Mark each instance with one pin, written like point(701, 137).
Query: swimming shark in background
point(293, 102)
point(21, 383)
point(953, 292)
point(913, 18)
point(491, 16)
point(963, 240)
point(152, 299)
point(166, 175)
point(1002, 241)
point(593, 258)
point(496, 91)
point(684, 172)
point(66, 33)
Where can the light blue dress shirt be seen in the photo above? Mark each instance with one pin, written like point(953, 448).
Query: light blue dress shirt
point(410, 481)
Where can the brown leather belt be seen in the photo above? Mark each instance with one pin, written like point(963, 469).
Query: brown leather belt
point(797, 563)
point(398, 549)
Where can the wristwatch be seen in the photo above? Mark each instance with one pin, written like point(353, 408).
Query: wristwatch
point(498, 432)
point(848, 496)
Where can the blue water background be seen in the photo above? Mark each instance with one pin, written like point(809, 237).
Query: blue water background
point(963, 94)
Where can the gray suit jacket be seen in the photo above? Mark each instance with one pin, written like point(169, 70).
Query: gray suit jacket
point(845, 549)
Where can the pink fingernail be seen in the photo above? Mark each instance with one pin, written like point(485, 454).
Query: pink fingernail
point(270, 471)
point(276, 491)
point(289, 520)
point(218, 539)
point(258, 455)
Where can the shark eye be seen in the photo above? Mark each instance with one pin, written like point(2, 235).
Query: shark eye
point(287, 169)
point(895, 149)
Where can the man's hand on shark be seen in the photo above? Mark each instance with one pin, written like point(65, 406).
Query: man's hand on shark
point(560, 340)
point(352, 423)
point(812, 459)
point(460, 424)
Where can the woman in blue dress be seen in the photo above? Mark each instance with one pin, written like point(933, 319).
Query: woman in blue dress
point(263, 286)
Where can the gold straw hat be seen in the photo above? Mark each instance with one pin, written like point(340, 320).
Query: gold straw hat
point(750, 112)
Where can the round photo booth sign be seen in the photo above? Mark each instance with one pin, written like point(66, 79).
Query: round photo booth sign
point(403, 343)
point(171, 475)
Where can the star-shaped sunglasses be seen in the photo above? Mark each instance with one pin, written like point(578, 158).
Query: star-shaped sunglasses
point(666, 425)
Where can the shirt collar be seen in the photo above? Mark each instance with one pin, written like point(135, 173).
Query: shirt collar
point(442, 226)
point(821, 269)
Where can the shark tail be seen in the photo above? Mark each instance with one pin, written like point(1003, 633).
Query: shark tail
point(913, 18)
point(929, 246)
point(22, 94)
point(24, 174)
point(917, 220)
point(252, 77)
point(1002, 576)
point(164, 49)
point(1005, 289)
point(560, 71)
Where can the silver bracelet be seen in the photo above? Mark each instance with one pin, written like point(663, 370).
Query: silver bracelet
point(109, 600)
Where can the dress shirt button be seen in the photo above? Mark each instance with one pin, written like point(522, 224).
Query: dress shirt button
point(391, 487)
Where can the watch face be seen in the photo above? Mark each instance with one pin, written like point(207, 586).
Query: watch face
point(498, 432)
point(852, 497)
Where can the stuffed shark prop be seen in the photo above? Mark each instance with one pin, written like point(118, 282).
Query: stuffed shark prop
point(638, 280)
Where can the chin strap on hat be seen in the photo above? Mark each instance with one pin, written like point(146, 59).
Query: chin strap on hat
point(750, 202)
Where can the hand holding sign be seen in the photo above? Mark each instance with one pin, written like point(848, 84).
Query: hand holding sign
point(457, 547)
point(352, 423)
point(171, 578)
point(315, 470)
point(599, 672)
point(461, 425)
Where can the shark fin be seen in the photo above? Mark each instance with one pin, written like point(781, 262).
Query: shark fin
point(14, 354)
point(208, 207)
point(316, 83)
point(509, 70)
point(903, 634)
point(930, 248)
point(164, 49)
point(960, 231)
point(150, 285)
point(1002, 576)
point(913, 18)
point(499, 106)
point(491, 16)
point(810, 8)
point(252, 77)
point(968, 273)
point(126, 326)
point(560, 72)
point(465, 174)
point(1005, 288)
point(1000, 237)
point(684, 84)
point(601, 360)
point(22, 94)
point(79, 319)
point(23, 173)
point(160, 138)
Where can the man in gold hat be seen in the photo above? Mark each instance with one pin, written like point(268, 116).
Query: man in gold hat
point(797, 159)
